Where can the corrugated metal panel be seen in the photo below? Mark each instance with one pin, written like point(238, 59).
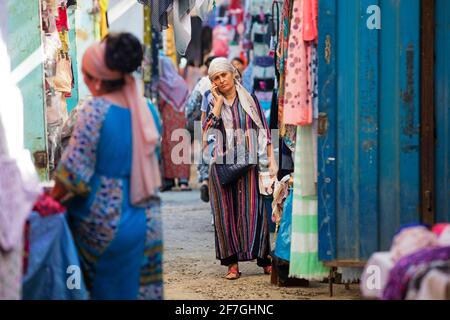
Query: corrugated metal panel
point(24, 47)
point(369, 157)
point(443, 110)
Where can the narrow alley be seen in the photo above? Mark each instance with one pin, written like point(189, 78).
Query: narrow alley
point(191, 271)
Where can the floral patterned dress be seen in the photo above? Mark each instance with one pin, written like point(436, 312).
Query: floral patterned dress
point(120, 245)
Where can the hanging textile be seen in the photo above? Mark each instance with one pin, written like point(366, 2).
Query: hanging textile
point(283, 240)
point(159, 12)
point(282, 52)
point(169, 44)
point(147, 62)
point(304, 261)
point(103, 6)
point(298, 104)
point(182, 25)
point(310, 14)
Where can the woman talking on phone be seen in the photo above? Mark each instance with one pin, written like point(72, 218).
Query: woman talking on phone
point(241, 230)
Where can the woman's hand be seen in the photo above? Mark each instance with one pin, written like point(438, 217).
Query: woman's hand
point(218, 100)
point(218, 97)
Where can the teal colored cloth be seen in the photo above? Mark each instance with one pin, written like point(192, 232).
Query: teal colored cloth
point(51, 261)
point(157, 117)
point(283, 241)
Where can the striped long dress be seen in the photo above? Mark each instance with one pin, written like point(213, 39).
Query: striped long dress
point(241, 230)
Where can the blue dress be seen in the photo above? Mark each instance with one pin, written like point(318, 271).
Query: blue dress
point(120, 245)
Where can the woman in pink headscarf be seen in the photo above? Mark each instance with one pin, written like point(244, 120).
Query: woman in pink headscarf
point(111, 169)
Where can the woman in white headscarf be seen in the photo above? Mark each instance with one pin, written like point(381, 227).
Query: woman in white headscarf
point(241, 227)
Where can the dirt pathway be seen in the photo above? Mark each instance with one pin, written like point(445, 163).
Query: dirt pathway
point(192, 272)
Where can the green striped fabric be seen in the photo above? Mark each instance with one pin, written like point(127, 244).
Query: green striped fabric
point(305, 262)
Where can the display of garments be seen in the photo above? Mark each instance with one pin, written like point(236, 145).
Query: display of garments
point(159, 11)
point(52, 260)
point(118, 262)
point(376, 275)
point(410, 240)
point(431, 282)
point(62, 22)
point(310, 15)
point(221, 40)
point(298, 108)
point(62, 81)
point(173, 120)
point(169, 44)
point(182, 26)
point(202, 9)
point(407, 267)
point(282, 54)
point(283, 240)
point(104, 24)
point(305, 262)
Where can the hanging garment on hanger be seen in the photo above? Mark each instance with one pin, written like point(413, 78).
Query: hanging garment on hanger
point(305, 262)
point(104, 25)
point(62, 22)
point(182, 27)
point(298, 104)
point(310, 14)
point(282, 53)
point(203, 9)
point(169, 44)
point(313, 66)
point(159, 10)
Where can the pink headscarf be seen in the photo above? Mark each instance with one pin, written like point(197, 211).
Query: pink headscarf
point(145, 175)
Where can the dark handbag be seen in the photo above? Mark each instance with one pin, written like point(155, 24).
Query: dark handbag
point(229, 173)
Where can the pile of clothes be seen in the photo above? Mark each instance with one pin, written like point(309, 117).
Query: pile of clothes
point(417, 267)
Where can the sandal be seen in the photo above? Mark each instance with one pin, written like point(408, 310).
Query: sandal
point(233, 273)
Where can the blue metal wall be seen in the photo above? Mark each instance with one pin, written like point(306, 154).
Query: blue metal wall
point(443, 110)
point(369, 156)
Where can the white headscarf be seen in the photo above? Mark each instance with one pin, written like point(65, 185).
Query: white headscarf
point(248, 104)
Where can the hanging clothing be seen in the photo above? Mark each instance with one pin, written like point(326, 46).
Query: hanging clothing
point(62, 22)
point(104, 24)
point(305, 262)
point(182, 25)
point(169, 44)
point(172, 120)
point(282, 53)
point(52, 253)
point(120, 245)
point(283, 240)
point(159, 12)
point(310, 15)
point(297, 101)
